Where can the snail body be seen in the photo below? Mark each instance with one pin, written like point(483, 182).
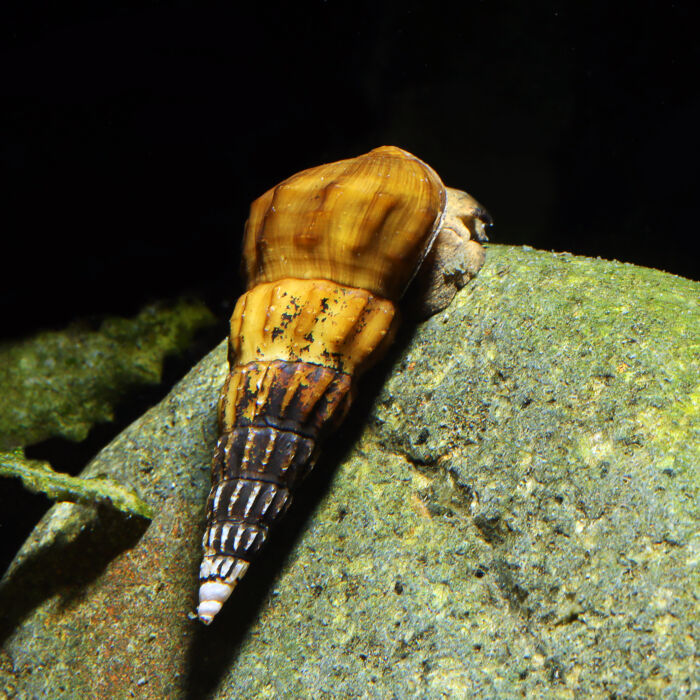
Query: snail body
point(327, 254)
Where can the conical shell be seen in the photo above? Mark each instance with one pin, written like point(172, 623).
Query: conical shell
point(272, 414)
point(327, 253)
point(366, 222)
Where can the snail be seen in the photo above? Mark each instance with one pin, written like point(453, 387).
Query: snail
point(327, 255)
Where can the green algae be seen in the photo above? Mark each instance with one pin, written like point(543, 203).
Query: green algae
point(40, 478)
point(62, 383)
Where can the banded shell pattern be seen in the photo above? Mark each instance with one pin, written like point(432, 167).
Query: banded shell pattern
point(327, 253)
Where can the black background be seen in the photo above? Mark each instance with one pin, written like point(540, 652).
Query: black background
point(134, 136)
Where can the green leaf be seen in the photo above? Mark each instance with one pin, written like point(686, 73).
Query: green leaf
point(40, 478)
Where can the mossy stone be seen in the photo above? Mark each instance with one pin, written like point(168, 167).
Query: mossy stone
point(514, 513)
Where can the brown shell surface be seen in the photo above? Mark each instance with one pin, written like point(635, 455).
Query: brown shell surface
point(365, 222)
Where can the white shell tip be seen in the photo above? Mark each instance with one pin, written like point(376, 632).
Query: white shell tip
point(207, 611)
point(212, 595)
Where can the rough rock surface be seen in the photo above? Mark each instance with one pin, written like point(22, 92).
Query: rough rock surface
point(513, 512)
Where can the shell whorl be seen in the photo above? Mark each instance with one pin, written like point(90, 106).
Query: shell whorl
point(326, 253)
point(366, 222)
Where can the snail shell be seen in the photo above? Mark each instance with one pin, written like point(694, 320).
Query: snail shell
point(327, 253)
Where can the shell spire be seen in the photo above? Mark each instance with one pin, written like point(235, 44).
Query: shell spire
point(327, 253)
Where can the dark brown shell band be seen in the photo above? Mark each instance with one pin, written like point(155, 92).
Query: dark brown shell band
point(273, 415)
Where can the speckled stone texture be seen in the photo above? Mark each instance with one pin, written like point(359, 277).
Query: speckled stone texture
point(510, 510)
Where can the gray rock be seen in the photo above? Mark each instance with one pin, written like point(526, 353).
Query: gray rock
point(513, 513)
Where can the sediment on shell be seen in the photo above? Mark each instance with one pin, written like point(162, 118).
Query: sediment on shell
point(315, 321)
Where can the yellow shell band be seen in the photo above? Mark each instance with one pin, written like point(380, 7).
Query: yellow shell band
point(315, 321)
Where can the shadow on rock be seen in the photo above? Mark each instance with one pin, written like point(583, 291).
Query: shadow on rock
point(67, 565)
point(214, 649)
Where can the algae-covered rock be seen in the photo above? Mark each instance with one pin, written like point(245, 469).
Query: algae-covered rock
point(60, 383)
point(513, 513)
